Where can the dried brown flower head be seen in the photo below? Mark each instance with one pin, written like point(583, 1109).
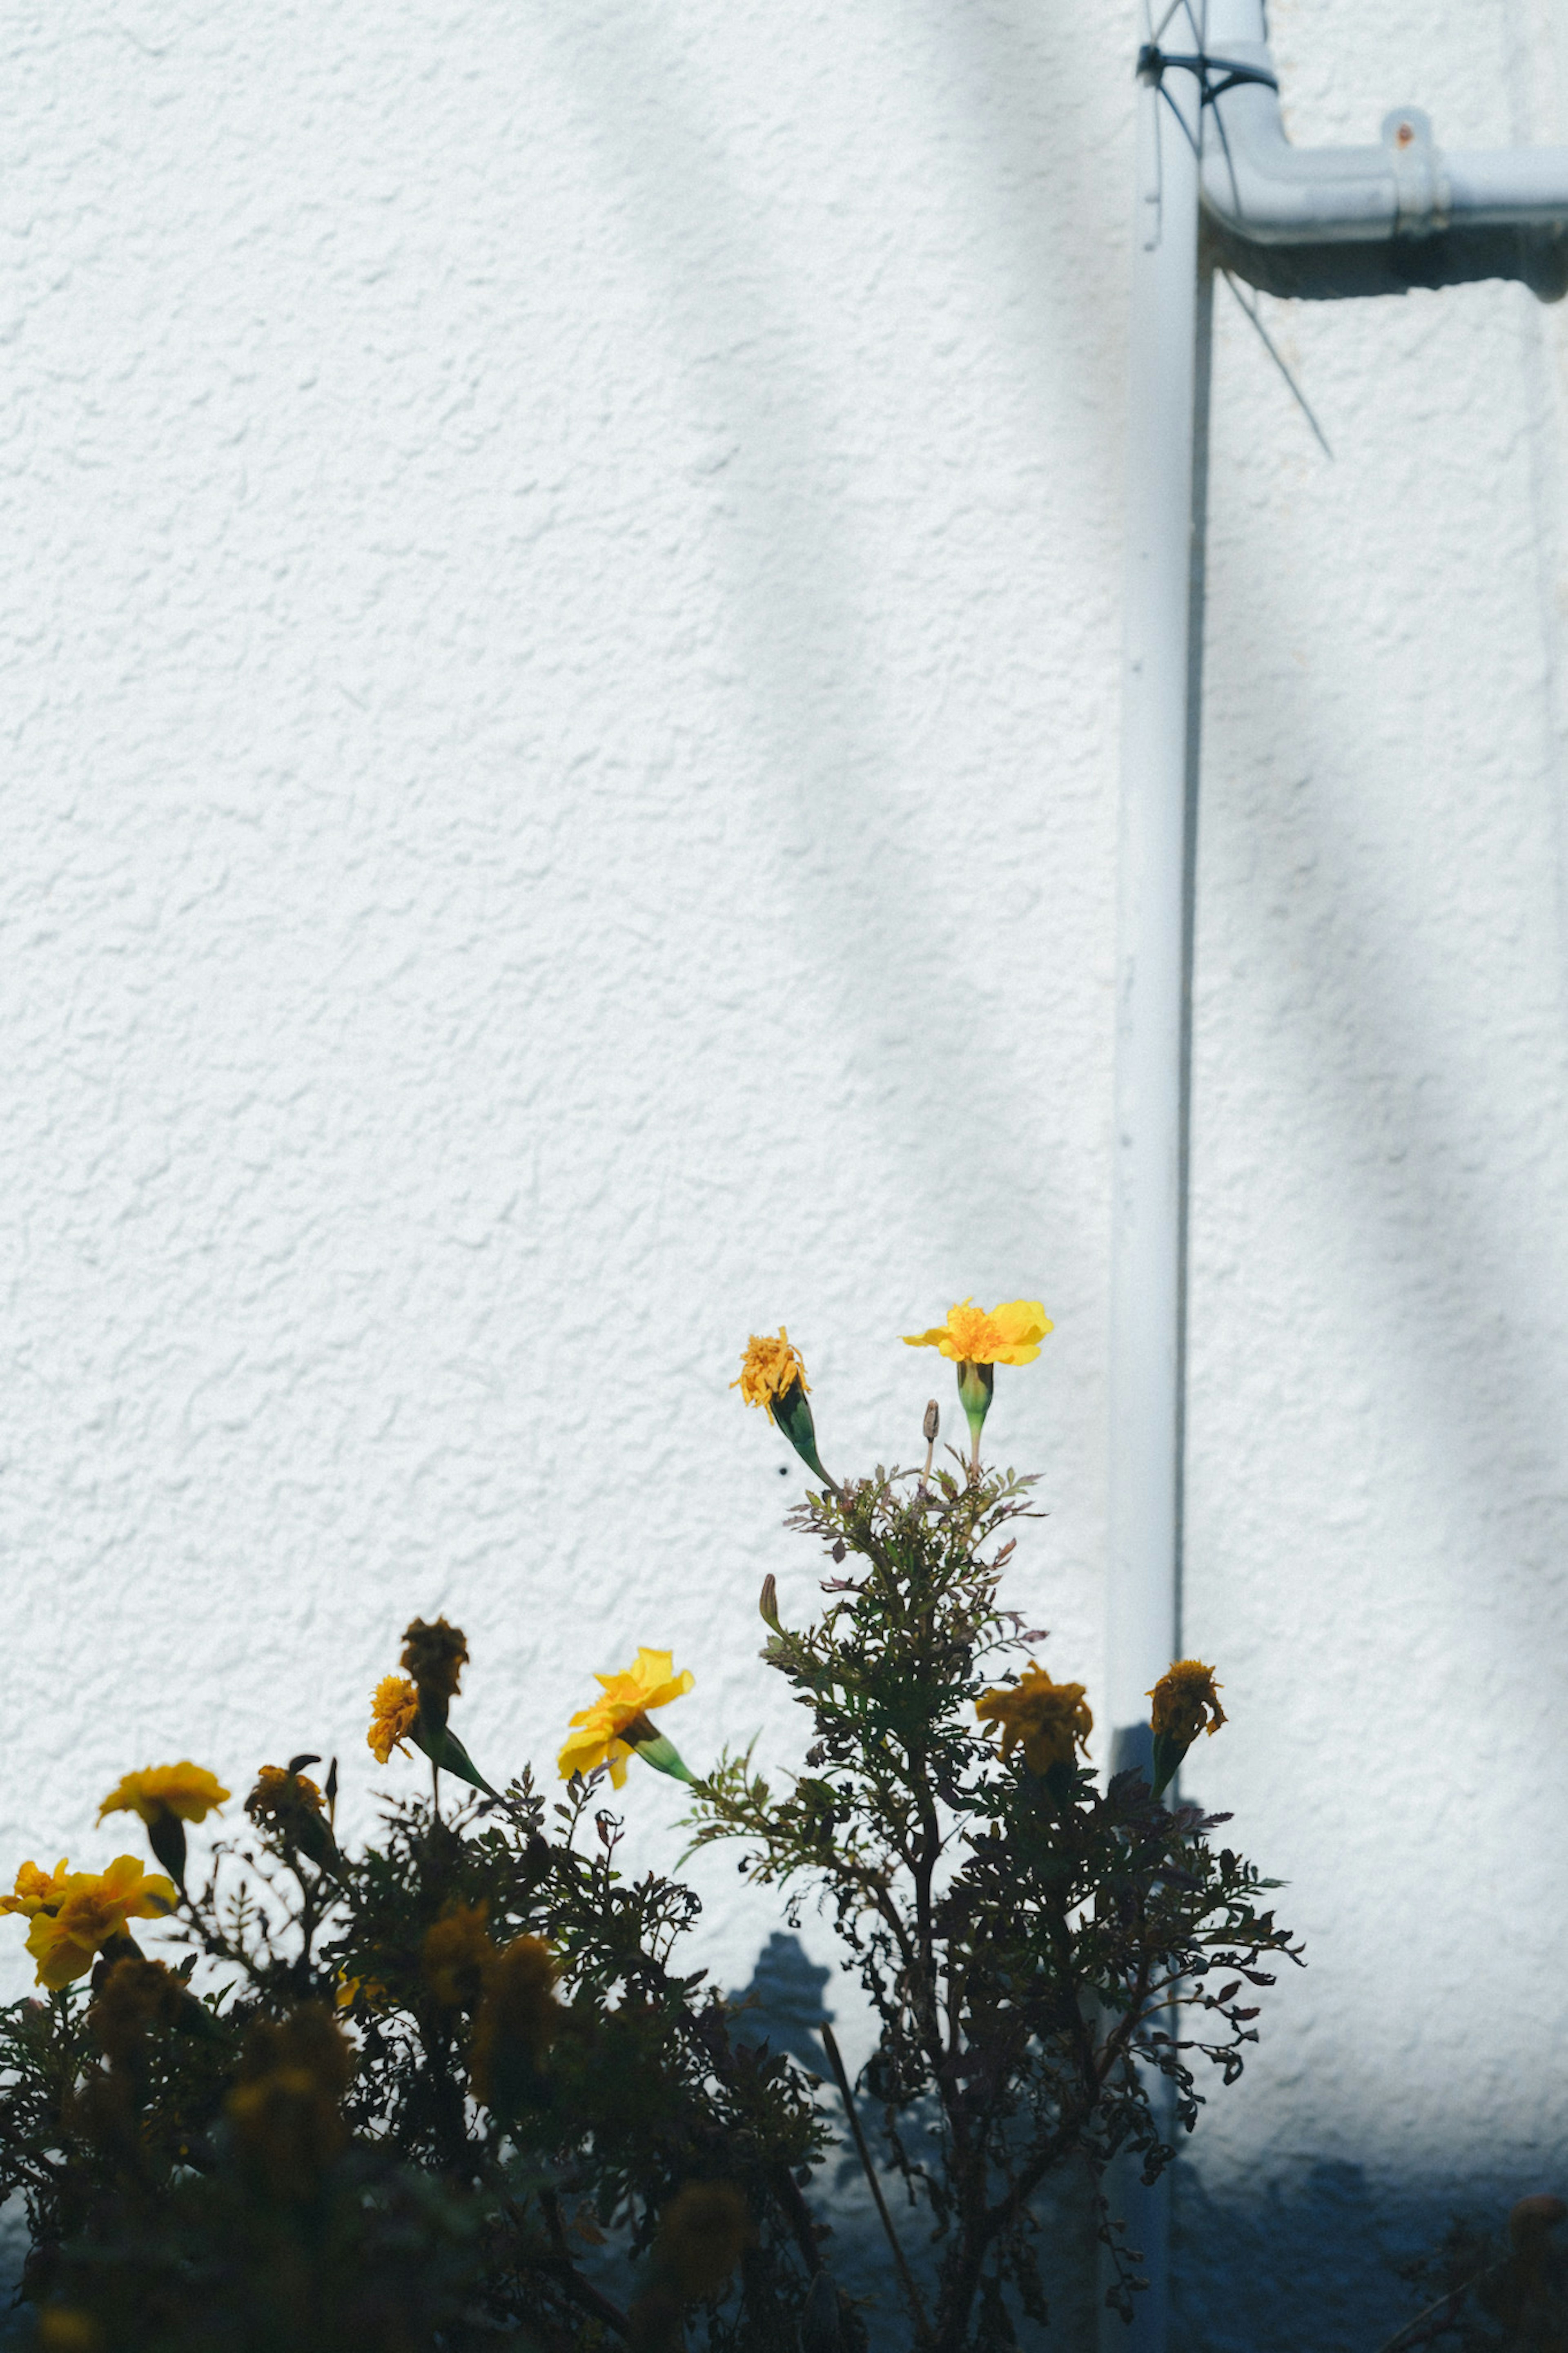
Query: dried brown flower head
point(435, 1656)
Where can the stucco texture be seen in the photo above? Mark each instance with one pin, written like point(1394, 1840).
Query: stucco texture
point(560, 648)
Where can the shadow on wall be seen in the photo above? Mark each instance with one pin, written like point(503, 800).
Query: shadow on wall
point(784, 2006)
point(1309, 2261)
point(1306, 2262)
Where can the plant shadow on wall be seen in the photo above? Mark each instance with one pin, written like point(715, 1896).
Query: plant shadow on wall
point(455, 2088)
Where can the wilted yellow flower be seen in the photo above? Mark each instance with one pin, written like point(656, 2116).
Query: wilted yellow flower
point(627, 1698)
point(457, 1950)
point(281, 1797)
point(43, 1891)
point(187, 1791)
point(1048, 1720)
point(93, 1914)
point(979, 1335)
point(1185, 1695)
point(769, 1370)
point(393, 1713)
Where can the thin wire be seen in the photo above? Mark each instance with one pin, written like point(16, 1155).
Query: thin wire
point(1249, 311)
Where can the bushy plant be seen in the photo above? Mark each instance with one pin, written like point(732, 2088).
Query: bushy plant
point(455, 2087)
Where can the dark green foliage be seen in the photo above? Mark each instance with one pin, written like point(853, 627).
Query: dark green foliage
point(1036, 1948)
point(456, 2090)
point(219, 2178)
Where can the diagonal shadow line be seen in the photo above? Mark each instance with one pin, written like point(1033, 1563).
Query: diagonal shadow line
point(864, 893)
point(1496, 1409)
point(1020, 73)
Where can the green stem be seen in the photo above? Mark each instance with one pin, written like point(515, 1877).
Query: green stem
point(839, 2076)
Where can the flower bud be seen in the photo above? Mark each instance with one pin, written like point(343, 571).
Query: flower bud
point(768, 1603)
point(932, 1423)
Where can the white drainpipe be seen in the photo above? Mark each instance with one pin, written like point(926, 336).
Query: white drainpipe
point(1320, 223)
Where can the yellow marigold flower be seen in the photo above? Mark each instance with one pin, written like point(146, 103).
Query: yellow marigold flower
point(1048, 1720)
point(769, 1370)
point(627, 1698)
point(456, 1951)
point(351, 1989)
point(702, 2234)
point(62, 2328)
point(1187, 1701)
point(135, 1995)
point(773, 1375)
point(93, 1913)
point(42, 1890)
point(393, 1712)
point(284, 2111)
point(282, 1796)
point(187, 1791)
point(979, 1335)
point(291, 1805)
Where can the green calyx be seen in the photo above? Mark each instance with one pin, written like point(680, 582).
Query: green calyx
point(792, 1413)
point(1168, 1754)
point(976, 1384)
point(661, 1754)
point(443, 1749)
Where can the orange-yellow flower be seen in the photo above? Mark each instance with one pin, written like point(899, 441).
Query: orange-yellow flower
point(625, 1700)
point(187, 1791)
point(769, 1370)
point(979, 1335)
point(393, 1713)
point(94, 1911)
point(42, 1890)
point(1048, 1720)
point(1187, 1701)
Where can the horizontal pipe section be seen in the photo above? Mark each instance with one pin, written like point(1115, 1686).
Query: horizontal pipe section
point(1258, 186)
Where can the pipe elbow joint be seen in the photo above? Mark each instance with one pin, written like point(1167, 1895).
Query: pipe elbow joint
point(1257, 186)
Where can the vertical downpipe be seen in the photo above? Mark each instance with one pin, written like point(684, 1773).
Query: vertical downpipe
point(1159, 739)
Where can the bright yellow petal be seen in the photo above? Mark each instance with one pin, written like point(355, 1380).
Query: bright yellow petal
point(60, 1957)
point(936, 1338)
point(1023, 1325)
point(581, 1755)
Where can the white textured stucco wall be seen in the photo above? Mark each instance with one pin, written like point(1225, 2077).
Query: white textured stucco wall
point(560, 644)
